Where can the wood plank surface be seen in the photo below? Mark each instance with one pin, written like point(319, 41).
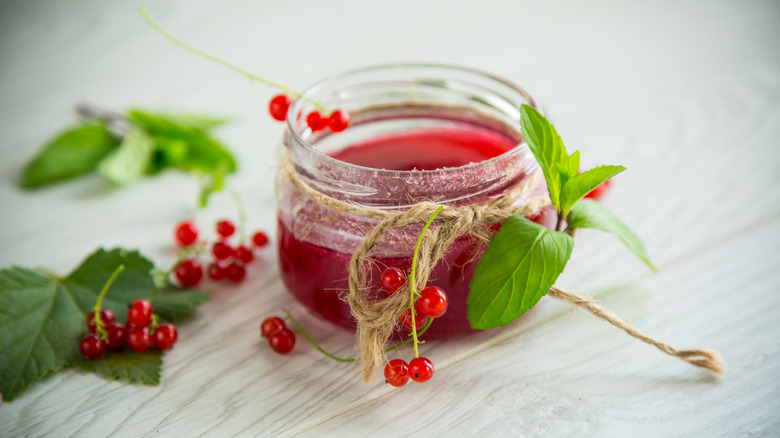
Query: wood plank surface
point(685, 94)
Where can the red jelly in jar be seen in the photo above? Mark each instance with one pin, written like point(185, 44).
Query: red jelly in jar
point(418, 133)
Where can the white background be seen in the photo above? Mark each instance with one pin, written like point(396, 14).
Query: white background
point(685, 94)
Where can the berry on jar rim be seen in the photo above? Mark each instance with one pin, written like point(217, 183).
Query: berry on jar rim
point(338, 120)
point(316, 121)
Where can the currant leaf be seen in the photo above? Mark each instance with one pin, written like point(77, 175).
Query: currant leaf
point(591, 214)
point(126, 365)
point(173, 303)
point(523, 260)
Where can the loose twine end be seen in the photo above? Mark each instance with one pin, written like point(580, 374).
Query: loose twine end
point(376, 320)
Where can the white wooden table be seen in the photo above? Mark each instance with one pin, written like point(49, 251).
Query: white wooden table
point(685, 94)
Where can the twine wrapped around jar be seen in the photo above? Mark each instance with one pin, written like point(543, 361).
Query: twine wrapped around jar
point(376, 320)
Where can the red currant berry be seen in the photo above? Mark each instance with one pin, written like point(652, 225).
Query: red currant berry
point(236, 273)
point(165, 336)
point(599, 191)
point(338, 121)
point(92, 346)
point(140, 313)
point(397, 372)
point(432, 302)
point(222, 250)
point(419, 319)
point(244, 253)
point(420, 369)
point(217, 272)
point(315, 121)
point(225, 228)
point(189, 273)
point(106, 316)
point(271, 325)
point(260, 239)
point(278, 107)
point(186, 233)
point(282, 341)
point(139, 339)
point(536, 216)
point(116, 335)
point(393, 279)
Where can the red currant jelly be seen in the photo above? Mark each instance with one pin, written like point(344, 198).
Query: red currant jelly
point(416, 133)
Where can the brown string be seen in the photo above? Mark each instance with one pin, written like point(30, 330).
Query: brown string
point(376, 320)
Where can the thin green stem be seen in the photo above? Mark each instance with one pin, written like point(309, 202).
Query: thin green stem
point(101, 331)
point(413, 288)
point(241, 212)
point(222, 62)
point(342, 359)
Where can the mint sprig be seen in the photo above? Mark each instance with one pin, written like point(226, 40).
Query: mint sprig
point(524, 259)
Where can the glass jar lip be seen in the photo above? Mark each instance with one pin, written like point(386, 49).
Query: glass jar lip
point(293, 131)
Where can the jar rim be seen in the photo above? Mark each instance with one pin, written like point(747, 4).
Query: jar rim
point(297, 135)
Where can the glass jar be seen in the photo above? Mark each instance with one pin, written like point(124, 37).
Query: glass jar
point(316, 243)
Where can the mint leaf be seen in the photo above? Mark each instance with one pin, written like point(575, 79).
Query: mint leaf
point(42, 317)
point(203, 153)
point(580, 185)
point(126, 365)
point(73, 152)
point(174, 303)
point(549, 151)
point(174, 125)
point(130, 160)
point(591, 214)
point(523, 260)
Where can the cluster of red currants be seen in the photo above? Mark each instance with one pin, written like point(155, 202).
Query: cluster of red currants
point(280, 338)
point(337, 121)
point(140, 333)
point(229, 261)
point(432, 302)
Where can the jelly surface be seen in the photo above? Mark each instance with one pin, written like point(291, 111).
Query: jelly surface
point(317, 275)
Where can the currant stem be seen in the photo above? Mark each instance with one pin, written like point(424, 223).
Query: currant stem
point(101, 331)
point(224, 63)
point(342, 359)
point(241, 212)
point(412, 289)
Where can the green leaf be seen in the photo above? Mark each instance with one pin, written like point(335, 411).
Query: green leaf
point(126, 365)
point(130, 160)
point(549, 151)
point(591, 214)
point(174, 303)
point(174, 125)
point(73, 152)
point(42, 317)
point(521, 264)
point(580, 185)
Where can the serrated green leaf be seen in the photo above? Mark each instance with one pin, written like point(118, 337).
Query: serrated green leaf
point(174, 125)
point(548, 149)
point(126, 365)
point(174, 303)
point(591, 214)
point(131, 160)
point(73, 152)
point(578, 186)
point(42, 317)
point(521, 264)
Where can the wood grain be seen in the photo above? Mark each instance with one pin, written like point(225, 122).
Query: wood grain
point(684, 93)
